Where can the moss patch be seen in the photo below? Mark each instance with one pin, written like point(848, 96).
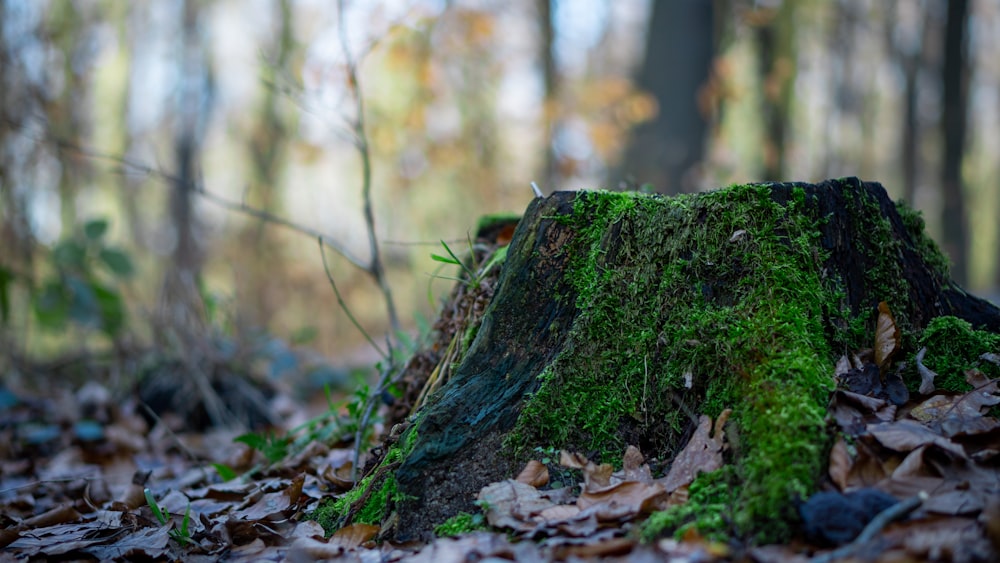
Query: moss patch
point(461, 523)
point(715, 300)
point(953, 347)
point(369, 500)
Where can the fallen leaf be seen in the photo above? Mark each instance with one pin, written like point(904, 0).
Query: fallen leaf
point(926, 375)
point(534, 473)
point(703, 453)
point(887, 337)
point(840, 464)
point(354, 535)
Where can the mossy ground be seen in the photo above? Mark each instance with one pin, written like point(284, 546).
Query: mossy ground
point(378, 489)
point(693, 304)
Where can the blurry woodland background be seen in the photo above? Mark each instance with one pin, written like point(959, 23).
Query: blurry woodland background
point(138, 138)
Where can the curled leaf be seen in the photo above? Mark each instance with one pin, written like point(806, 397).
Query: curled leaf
point(887, 336)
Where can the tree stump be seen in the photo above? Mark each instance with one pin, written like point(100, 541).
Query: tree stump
point(618, 317)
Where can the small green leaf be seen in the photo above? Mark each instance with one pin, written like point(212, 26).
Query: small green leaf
point(95, 229)
point(68, 255)
point(51, 306)
point(225, 472)
point(111, 308)
point(162, 516)
point(117, 261)
point(255, 441)
point(445, 259)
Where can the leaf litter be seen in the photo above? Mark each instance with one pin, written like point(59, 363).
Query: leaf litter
point(912, 479)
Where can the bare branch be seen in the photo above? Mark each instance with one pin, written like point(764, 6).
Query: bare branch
point(376, 268)
point(343, 304)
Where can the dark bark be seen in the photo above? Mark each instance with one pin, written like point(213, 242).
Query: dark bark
point(955, 78)
point(679, 51)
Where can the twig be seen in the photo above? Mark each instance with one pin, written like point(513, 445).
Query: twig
point(343, 304)
point(883, 519)
point(375, 267)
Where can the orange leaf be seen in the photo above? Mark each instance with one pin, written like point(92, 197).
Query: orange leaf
point(534, 473)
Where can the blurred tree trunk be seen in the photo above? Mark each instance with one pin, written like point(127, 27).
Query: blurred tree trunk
point(679, 51)
point(906, 49)
point(955, 81)
point(547, 32)
point(267, 144)
point(67, 112)
point(129, 27)
point(180, 295)
point(14, 228)
point(776, 52)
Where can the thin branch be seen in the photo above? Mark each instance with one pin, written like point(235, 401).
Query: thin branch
point(376, 268)
point(343, 304)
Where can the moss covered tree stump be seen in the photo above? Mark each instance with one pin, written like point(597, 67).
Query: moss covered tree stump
point(619, 316)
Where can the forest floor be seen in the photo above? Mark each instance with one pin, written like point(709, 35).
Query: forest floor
point(84, 477)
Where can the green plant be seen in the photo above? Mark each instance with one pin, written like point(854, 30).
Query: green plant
point(181, 535)
point(472, 275)
point(84, 284)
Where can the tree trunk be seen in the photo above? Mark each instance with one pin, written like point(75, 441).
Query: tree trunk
point(679, 51)
point(955, 78)
point(617, 315)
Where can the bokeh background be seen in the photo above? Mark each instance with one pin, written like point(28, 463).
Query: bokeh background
point(179, 121)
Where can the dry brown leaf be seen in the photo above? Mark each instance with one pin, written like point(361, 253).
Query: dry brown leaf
point(313, 549)
point(703, 453)
point(887, 337)
point(339, 477)
point(868, 469)
point(852, 411)
point(631, 497)
point(512, 505)
point(274, 506)
point(907, 435)
point(984, 391)
point(534, 473)
point(354, 535)
point(572, 460)
point(840, 464)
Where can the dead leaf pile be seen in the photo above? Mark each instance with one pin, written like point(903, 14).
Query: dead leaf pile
point(595, 522)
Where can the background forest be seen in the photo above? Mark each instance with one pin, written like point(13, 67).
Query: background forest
point(167, 166)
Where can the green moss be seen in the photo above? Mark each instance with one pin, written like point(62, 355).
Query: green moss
point(333, 513)
point(722, 289)
point(461, 523)
point(710, 498)
point(913, 221)
point(953, 347)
